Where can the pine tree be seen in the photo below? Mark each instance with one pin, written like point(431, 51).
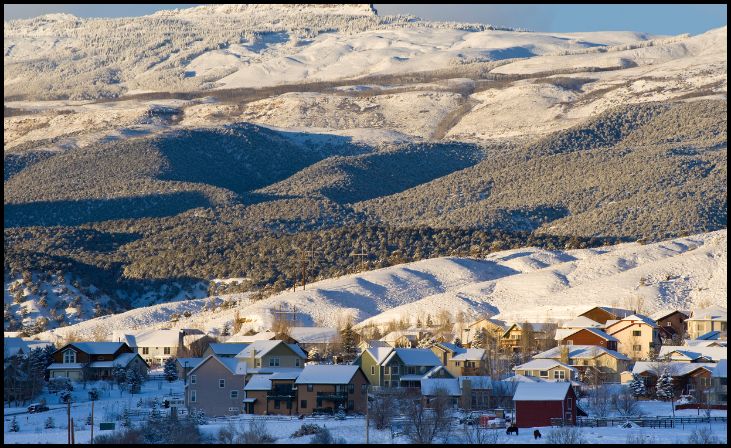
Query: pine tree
point(637, 386)
point(664, 387)
point(14, 426)
point(119, 374)
point(458, 342)
point(480, 339)
point(171, 371)
point(133, 381)
point(126, 422)
point(94, 394)
point(429, 322)
point(340, 414)
point(226, 330)
point(347, 336)
point(49, 423)
point(314, 354)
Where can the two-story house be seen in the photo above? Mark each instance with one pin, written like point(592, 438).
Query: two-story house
point(588, 336)
point(272, 393)
point(156, 345)
point(329, 387)
point(671, 324)
point(685, 376)
point(215, 386)
point(399, 367)
point(272, 353)
point(94, 360)
point(638, 335)
point(706, 320)
point(494, 327)
point(461, 361)
point(590, 360)
point(224, 349)
point(602, 314)
point(546, 369)
point(512, 339)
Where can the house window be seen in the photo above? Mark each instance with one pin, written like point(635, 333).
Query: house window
point(394, 370)
point(456, 363)
point(637, 333)
point(351, 388)
point(221, 384)
point(570, 342)
point(276, 404)
point(69, 357)
point(309, 387)
point(559, 374)
point(297, 362)
point(363, 389)
point(303, 404)
point(373, 370)
point(568, 403)
point(668, 323)
point(145, 350)
point(193, 396)
point(193, 378)
point(543, 373)
point(258, 363)
point(234, 394)
point(637, 348)
point(166, 350)
point(273, 362)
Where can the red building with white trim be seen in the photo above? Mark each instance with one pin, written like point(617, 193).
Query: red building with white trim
point(537, 403)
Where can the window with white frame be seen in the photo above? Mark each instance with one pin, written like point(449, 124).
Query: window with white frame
point(637, 348)
point(234, 394)
point(559, 374)
point(221, 383)
point(193, 396)
point(166, 350)
point(193, 378)
point(297, 362)
point(543, 373)
point(273, 362)
point(69, 357)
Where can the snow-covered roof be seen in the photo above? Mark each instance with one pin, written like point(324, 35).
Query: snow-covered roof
point(714, 353)
point(470, 354)
point(598, 332)
point(710, 336)
point(12, 334)
point(640, 317)
point(619, 312)
point(543, 391)
point(396, 335)
point(477, 382)
point(430, 386)
point(433, 371)
point(261, 336)
point(676, 368)
point(226, 348)
point(64, 366)
point(500, 323)
point(158, 338)
point(451, 347)
point(379, 353)
point(314, 335)
point(327, 374)
point(542, 364)
point(414, 357)
point(372, 343)
point(580, 352)
point(704, 343)
point(720, 370)
point(286, 375)
point(688, 354)
point(518, 378)
point(261, 348)
point(128, 339)
point(716, 313)
point(192, 362)
point(665, 313)
point(98, 348)
point(581, 322)
point(259, 382)
point(234, 365)
point(122, 360)
point(32, 345)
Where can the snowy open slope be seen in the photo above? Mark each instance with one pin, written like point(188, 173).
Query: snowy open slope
point(519, 284)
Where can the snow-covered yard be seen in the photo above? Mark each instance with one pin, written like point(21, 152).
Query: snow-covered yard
point(112, 403)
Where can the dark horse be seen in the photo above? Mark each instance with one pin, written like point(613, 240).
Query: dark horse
point(536, 434)
point(512, 429)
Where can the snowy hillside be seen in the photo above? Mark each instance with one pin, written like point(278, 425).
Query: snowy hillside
point(518, 284)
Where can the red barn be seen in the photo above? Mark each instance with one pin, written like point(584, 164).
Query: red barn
point(537, 403)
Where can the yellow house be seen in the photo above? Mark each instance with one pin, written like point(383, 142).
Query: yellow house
point(638, 335)
point(706, 320)
point(547, 369)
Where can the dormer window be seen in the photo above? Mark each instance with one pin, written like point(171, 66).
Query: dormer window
point(69, 357)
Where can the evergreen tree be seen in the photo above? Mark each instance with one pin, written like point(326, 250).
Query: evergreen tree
point(170, 369)
point(347, 336)
point(119, 374)
point(65, 396)
point(429, 322)
point(314, 354)
point(664, 387)
point(49, 423)
point(133, 380)
point(126, 421)
point(458, 342)
point(226, 330)
point(94, 394)
point(14, 425)
point(480, 339)
point(637, 386)
point(340, 414)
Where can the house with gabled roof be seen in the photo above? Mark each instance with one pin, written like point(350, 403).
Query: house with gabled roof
point(399, 367)
point(185, 365)
point(512, 337)
point(224, 349)
point(708, 319)
point(581, 322)
point(590, 360)
point(273, 393)
point(494, 327)
point(688, 354)
point(403, 338)
point(602, 314)
point(314, 337)
point(326, 388)
point(461, 361)
point(248, 339)
point(215, 386)
point(546, 369)
point(638, 335)
point(94, 360)
point(537, 403)
point(671, 323)
point(719, 384)
point(685, 375)
point(272, 353)
point(588, 336)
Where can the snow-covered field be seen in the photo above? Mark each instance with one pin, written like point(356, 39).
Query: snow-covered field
point(518, 284)
point(111, 404)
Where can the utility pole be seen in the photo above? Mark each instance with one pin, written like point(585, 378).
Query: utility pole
point(73, 432)
point(91, 441)
point(368, 407)
point(362, 259)
point(68, 421)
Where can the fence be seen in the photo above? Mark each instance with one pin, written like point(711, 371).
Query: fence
point(644, 422)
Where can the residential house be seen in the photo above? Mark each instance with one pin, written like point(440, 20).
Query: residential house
point(588, 336)
point(685, 375)
point(708, 319)
point(449, 388)
point(326, 388)
point(272, 393)
point(477, 392)
point(537, 403)
point(371, 343)
point(224, 349)
point(403, 338)
point(461, 361)
point(248, 339)
point(681, 352)
point(155, 346)
point(215, 386)
point(399, 367)
point(719, 389)
point(709, 339)
point(638, 335)
point(511, 339)
point(546, 369)
point(185, 365)
point(494, 327)
point(321, 338)
point(272, 353)
point(581, 322)
point(671, 324)
point(94, 360)
point(591, 361)
point(602, 314)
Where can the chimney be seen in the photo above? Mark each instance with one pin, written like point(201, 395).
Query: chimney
point(466, 394)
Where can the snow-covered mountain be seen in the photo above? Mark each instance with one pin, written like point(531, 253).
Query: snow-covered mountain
point(520, 284)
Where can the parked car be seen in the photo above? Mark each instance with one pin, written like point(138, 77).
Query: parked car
point(37, 407)
point(471, 418)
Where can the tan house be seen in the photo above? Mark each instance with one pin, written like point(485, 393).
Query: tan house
point(494, 327)
point(602, 314)
point(638, 335)
point(403, 339)
point(272, 353)
point(156, 346)
point(511, 339)
point(326, 388)
point(215, 386)
point(461, 361)
point(546, 369)
point(590, 360)
point(706, 320)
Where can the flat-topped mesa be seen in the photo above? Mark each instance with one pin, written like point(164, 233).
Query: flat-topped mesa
point(286, 8)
